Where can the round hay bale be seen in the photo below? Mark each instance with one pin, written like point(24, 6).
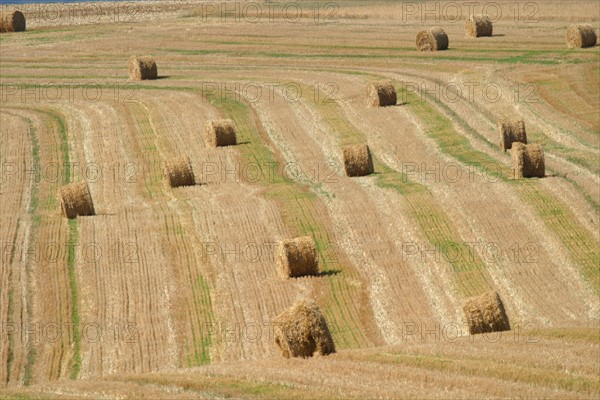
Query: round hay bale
point(478, 25)
point(528, 160)
point(485, 314)
point(358, 160)
point(141, 68)
point(511, 132)
point(12, 21)
point(432, 39)
point(75, 199)
point(297, 257)
point(581, 36)
point(302, 331)
point(381, 94)
point(179, 172)
point(220, 132)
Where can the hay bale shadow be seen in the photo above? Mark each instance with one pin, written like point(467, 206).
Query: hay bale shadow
point(330, 272)
point(555, 175)
point(107, 213)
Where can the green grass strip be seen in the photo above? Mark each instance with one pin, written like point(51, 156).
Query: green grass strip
point(75, 364)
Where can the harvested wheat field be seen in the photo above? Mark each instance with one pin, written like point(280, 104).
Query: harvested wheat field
point(290, 201)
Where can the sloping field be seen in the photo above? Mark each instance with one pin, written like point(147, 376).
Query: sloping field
point(530, 367)
point(171, 292)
